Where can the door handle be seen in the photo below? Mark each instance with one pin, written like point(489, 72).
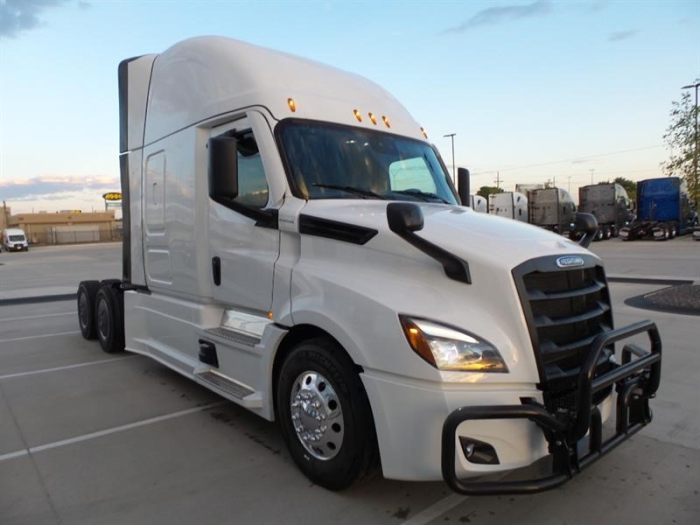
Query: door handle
point(216, 270)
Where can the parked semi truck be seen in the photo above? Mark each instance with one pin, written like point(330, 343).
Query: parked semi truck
point(293, 242)
point(509, 204)
point(609, 204)
point(479, 204)
point(552, 209)
point(664, 210)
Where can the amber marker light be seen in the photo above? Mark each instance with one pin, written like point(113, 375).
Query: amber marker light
point(417, 341)
point(386, 121)
point(357, 114)
point(292, 105)
point(270, 315)
point(373, 118)
point(425, 133)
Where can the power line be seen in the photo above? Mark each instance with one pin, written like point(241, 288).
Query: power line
point(570, 160)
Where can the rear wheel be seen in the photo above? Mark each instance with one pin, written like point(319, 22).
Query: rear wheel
point(87, 293)
point(109, 319)
point(325, 415)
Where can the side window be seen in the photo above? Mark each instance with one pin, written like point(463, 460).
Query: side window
point(252, 185)
point(411, 174)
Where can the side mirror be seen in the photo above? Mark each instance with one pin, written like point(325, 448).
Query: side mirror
point(404, 217)
point(223, 168)
point(463, 186)
point(586, 223)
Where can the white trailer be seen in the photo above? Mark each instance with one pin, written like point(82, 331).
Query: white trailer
point(509, 204)
point(294, 243)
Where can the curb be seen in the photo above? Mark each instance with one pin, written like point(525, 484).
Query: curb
point(670, 281)
point(38, 299)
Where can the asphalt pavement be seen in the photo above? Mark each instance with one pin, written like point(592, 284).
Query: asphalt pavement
point(87, 437)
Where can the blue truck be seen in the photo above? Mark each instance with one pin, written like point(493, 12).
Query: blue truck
point(664, 210)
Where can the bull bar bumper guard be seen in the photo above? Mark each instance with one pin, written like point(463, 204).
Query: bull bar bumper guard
point(635, 382)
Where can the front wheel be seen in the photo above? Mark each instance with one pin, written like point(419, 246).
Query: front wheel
point(325, 415)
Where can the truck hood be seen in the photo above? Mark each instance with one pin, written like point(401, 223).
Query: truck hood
point(475, 237)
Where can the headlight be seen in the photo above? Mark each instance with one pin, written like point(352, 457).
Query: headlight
point(449, 349)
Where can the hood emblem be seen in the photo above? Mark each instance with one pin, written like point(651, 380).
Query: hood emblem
point(570, 261)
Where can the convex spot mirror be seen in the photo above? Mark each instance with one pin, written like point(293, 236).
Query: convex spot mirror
point(404, 217)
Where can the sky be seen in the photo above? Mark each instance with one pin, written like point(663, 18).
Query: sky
point(535, 91)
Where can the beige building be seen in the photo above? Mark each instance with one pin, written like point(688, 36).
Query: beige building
point(67, 227)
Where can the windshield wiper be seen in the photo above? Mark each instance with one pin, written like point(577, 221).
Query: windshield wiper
point(350, 189)
point(422, 195)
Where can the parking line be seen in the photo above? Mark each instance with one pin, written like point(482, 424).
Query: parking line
point(441, 507)
point(434, 511)
point(106, 432)
point(66, 367)
point(38, 336)
point(6, 319)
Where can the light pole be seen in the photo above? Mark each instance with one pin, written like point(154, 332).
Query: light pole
point(452, 137)
point(695, 153)
point(592, 170)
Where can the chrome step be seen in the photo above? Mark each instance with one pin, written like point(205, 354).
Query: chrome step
point(225, 384)
point(236, 337)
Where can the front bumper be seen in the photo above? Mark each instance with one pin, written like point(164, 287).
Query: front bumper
point(635, 382)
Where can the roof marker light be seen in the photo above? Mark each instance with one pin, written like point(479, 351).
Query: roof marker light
point(357, 114)
point(425, 133)
point(386, 121)
point(292, 104)
point(372, 118)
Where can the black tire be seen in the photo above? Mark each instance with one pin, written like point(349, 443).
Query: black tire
point(673, 230)
point(606, 233)
point(87, 293)
point(357, 454)
point(109, 319)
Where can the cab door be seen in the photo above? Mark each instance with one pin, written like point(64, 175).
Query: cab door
point(243, 250)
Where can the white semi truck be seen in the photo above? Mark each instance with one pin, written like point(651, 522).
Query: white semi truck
point(293, 242)
point(509, 204)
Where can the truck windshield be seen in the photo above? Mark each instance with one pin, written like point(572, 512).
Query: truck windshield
point(18, 238)
point(338, 162)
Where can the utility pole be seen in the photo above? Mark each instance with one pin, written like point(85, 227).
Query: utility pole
point(695, 153)
point(498, 180)
point(452, 137)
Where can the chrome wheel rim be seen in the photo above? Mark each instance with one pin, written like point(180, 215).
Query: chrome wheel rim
point(317, 415)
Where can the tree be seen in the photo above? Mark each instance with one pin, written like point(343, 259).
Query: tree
point(629, 185)
point(682, 139)
point(485, 191)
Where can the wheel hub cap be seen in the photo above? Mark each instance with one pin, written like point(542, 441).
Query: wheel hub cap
point(317, 416)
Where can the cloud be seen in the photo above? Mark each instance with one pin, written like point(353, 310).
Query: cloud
point(499, 15)
point(17, 16)
point(619, 36)
point(50, 188)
